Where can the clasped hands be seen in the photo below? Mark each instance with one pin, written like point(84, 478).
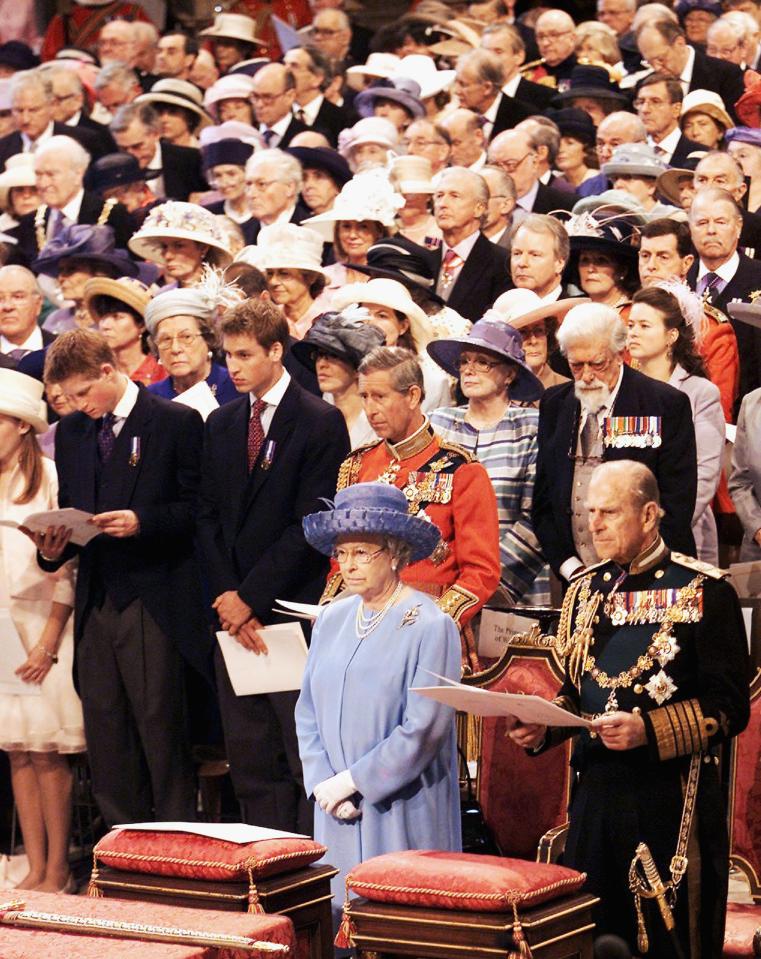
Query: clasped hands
point(617, 731)
point(236, 617)
point(332, 796)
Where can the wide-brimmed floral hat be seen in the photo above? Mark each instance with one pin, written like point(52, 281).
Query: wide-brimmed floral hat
point(371, 509)
point(175, 220)
point(367, 196)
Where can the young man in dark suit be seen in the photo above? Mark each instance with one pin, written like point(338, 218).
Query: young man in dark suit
point(269, 458)
point(311, 71)
point(133, 460)
point(472, 271)
point(608, 412)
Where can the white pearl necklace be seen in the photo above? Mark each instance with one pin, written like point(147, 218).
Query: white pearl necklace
point(365, 625)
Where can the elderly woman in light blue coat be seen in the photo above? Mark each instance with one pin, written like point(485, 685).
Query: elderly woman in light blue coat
point(379, 760)
point(661, 342)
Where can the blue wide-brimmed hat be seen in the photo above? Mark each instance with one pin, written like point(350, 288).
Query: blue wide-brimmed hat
point(115, 169)
point(499, 338)
point(325, 159)
point(83, 241)
point(371, 509)
point(405, 92)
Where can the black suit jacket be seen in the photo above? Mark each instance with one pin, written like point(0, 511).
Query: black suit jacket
point(536, 95)
point(89, 212)
point(510, 112)
point(724, 78)
point(746, 280)
point(484, 276)
point(674, 462)
point(252, 227)
point(182, 171)
point(250, 524)
point(294, 127)
point(331, 119)
point(160, 484)
point(12, 144)
point(684, 148)
point(106, 142)
point(548, 198)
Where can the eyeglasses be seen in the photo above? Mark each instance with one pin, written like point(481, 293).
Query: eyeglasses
point(596, 366)
point(267, 97)
point(185, 339)
point(360, 555)
point(479, 365)
point(655, 102)
point(552, 35)
point(510, 166)
point(538, 331)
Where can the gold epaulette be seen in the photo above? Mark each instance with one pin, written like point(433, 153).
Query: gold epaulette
point(699, 566)
point(527, 67)
point(349, 469)
point(716, 313)
point(583, 570)
point(460, 450)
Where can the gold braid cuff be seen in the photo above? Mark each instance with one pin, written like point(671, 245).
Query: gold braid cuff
point(680, 729)
point(333, 586)
point(457, 600)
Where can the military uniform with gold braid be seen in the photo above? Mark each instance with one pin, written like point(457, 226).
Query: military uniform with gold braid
point(444, 484)
point(664, 638)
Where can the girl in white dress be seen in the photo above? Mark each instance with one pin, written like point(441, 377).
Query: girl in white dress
point(37, 731)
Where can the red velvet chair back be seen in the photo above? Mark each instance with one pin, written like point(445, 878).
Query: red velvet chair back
point(522, 797)
point(745, 796)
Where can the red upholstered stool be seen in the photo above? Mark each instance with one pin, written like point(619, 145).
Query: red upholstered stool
point(443, 904)
point(184, 869)
point(743, 933)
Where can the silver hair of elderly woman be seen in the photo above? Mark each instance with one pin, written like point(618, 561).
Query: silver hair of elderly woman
point(592, 321)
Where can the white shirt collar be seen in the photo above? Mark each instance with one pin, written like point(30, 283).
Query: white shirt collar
point(510, 89)
point(310, 110)
point(127, 402)
point(553, 296)
point(725, 272)
point(74, 121)
point(45, 135)
point(276, 392)
point(32, 342)
point(491, 114)
point(464, 248)
point(526, 202)
point(72, 208)
point(667, 144)
point(479, 163)
point(686, 75)
point(279, 127)
point(285, 216)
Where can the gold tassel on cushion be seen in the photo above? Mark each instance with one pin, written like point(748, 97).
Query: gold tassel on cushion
point(519, 938)
point(253, 895)
point(347, 930)
point(92, 887)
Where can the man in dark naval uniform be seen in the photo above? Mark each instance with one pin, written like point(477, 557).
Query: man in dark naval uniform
point(657, 660)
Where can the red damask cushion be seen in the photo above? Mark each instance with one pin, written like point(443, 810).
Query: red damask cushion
point(448, 880)
point(199, 857)
point(742, 922)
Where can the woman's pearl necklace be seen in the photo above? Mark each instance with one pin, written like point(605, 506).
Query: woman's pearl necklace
point(367, 624)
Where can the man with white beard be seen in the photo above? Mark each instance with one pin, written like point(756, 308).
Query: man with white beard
point(609, 411)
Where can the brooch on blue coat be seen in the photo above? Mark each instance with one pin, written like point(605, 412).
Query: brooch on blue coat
point(410, 616)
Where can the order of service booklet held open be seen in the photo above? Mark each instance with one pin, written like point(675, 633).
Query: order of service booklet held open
point(483, 702)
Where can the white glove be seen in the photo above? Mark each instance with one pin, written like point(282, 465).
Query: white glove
point(347, 811)
point(332, 792)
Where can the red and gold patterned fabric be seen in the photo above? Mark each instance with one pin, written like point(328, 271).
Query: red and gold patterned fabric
point(447, 880)
point(19, 943)
point(743, 920)
point(199, 857)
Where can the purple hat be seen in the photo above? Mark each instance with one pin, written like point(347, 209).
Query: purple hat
point(84, 242)
point(401, 90)
point(743, 135)
point(371, 508)
point(498, 338)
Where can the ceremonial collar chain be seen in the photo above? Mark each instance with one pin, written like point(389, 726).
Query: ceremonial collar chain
point(414, 444)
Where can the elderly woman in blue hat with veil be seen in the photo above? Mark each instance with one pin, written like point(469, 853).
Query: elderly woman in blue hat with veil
point(379, 760)
point(494, 378)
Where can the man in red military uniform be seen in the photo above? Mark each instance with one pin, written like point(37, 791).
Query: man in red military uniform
point(442, 483)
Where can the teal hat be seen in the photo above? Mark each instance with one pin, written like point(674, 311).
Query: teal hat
point(367, 509)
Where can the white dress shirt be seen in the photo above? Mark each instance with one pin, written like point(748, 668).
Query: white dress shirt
point(32, 342)
point(277, 128)
point(125, 406)
point(272, 398)
point(156, 185)
point(30, 145)
point(725, 272)
point(527, 201)
point(665, 147)
point(310, 110)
